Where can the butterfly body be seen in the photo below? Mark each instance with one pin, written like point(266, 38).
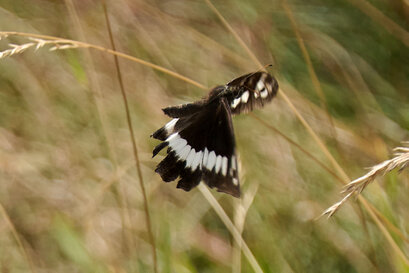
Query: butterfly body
point(200, 137)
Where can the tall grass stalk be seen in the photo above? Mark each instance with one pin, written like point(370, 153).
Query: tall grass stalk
point(230, 226)
point(242, 206)
point(314, 78)
point(134, 147)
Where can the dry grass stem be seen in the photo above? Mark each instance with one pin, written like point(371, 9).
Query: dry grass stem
point(37, 43)
point(399, 161)
point(242, 206)
point(52, 39)
point(20, 244)
point(236, 36)
point(134, 146)
point(314, 77)
point(230, 226)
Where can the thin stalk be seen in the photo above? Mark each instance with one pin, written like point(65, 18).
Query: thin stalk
point(230, 226)
point(17, 238)
point(134, 147)
point(242, 206)
point(292, 142)
point(314, 78)
point(239, 40)
point(97, 96)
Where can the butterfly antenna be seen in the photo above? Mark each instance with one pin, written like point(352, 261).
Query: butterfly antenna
point(265, 67)
point(261, 69)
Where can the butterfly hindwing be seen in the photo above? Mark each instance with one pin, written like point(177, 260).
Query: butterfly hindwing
point(201, 146)
point(221, 169)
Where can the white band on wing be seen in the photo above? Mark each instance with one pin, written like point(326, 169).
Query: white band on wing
point(201, 159)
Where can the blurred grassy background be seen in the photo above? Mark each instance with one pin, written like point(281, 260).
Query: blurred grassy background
point(68, 182)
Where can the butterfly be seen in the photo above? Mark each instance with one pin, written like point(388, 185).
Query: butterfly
point(200, 138)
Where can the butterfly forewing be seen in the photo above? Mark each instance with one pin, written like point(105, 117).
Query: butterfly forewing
point(250, 91)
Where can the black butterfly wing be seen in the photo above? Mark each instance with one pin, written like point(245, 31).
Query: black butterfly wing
point(224, 174)
point(201, 145)
point(250, 91)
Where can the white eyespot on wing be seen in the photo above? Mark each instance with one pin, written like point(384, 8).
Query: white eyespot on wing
point(235, 103)
point(211, 160)
point(224, 166)
point(255, 95)
point(264, 93)
point(260, 84)
point(218, 163)
point(171, 125)
point(235, 181)
point(184, 152)
point(197, 160)
point(205, 156)
point(245, 97)
point(190, 157)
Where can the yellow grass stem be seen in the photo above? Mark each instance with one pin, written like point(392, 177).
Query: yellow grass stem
point(230, 226)
point(314, 78)
point(134, 147)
